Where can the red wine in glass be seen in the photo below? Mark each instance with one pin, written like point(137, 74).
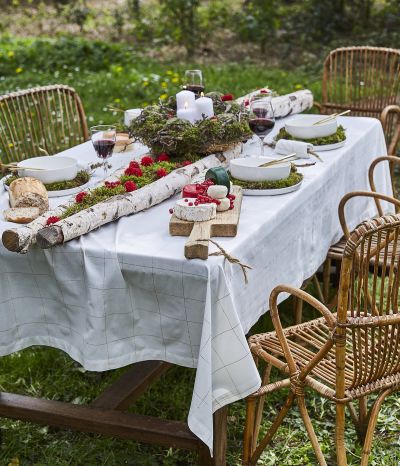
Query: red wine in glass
point(261, 126)
point(197, 89)
point(104, 148)
point(103, 140)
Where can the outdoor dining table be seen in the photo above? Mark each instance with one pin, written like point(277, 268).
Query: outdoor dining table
point(126, 294)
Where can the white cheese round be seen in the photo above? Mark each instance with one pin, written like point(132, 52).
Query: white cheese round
point(224, 204)
point(194, 213)
point(217, 191)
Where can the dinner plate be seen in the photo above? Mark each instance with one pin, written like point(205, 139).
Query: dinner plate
point(329, 146)
point(271, 192)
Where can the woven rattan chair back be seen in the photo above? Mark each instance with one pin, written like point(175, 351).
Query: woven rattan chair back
point(50, 118)
point(368, 318)
point(365, 79)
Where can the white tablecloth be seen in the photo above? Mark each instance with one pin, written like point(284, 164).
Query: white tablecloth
point(126, 293)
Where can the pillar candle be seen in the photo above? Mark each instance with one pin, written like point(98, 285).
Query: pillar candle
point(187, 113)
point(204, 107)
point(183, 98)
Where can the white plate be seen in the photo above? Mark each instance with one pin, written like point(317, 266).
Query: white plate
point(271, 192)
point(329, 146)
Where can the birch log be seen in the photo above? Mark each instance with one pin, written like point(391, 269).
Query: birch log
point(288, 104)
point(130, 203)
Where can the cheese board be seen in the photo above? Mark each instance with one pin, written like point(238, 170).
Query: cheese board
point(224, 224)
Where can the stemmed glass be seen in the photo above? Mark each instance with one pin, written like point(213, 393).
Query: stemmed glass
point(261, 118)
point(194, 81)
point(103, 139)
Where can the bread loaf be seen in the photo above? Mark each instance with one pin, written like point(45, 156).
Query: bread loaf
point(28, 192)
point(21, 215)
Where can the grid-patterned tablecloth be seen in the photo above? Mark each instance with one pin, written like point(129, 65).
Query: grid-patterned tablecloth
point(125, 293)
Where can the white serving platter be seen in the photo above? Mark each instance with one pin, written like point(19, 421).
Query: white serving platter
point(271, 192)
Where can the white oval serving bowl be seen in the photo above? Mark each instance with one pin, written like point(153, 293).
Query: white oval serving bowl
point(248, 169)
point(52, 168)
point(302, 127)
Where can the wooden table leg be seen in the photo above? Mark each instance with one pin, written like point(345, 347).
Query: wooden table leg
point(220, 441)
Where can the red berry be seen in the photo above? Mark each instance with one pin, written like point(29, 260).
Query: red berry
point(161, 172)
point(190, 203)
point(130, 186)
point(80, 196)
point(163, 157)
point(52, 220)
point(196, 203)
point(186, 200)
point(171, 211)
point(147, 161)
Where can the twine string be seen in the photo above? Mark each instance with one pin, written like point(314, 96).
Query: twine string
point(229, 258)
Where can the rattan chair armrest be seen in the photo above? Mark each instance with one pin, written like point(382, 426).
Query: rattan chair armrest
point(318, 106)
point(374, 195)
point(396, 133)
point(303, 295)
point(273, 306)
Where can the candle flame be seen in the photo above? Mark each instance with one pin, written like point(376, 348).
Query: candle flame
point(202, 94)
point(186, 105)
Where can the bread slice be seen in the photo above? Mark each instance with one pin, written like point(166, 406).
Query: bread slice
point(21, 214)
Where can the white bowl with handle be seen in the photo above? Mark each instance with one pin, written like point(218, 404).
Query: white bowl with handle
point(303, 127)
point(49, 169)
point(248, 169)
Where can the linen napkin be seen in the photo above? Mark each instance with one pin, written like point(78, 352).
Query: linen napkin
point(285, 147)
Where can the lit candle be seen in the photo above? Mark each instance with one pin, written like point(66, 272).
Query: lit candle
point(187, 113)
point(183, 98)
point(131, 115)
point(204, 107)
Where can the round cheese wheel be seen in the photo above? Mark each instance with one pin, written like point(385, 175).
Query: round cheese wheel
point(217, 191)
point(194, 213)
point(223, 205)
point(220, 176)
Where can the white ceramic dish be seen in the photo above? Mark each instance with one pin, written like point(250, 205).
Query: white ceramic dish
point(302, 127)
point(53, 169)
point(271, 192)
point(337, 145)
point(248, 169)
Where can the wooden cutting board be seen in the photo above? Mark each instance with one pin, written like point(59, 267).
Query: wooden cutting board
point(224, 224)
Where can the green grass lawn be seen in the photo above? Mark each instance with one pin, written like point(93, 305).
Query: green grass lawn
point(127, 81)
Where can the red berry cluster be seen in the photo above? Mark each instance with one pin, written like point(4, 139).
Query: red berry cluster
point(231, 198)
point(161, 172)
point(52, 220)
point(80, 196)
point(133, 171)
point(111, 184)
point(227, 97)
point(163, 157)
point(130, 186)
point(147, 161)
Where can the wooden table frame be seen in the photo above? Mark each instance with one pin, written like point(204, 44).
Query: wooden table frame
point(107, 415)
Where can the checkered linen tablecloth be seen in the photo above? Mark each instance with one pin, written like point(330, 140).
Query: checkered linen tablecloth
point(126, 293)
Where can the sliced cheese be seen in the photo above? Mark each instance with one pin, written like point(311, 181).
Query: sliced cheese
point(194, 213)
point(223, 205)
point(217, 191)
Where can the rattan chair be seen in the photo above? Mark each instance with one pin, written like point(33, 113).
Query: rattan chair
point(367, 81)
point(345, 356)
point(335, 253)
point(49, 118)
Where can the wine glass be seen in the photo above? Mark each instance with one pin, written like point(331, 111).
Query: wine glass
point(194, 81)
point(261, 118)
point(103, 139)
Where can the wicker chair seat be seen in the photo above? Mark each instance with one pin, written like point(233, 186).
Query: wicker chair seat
point(305, 340)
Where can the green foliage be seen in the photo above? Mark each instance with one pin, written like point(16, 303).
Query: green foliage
point(291, 180)
point(158, 128)
point(81, 178)
point(103, 193)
